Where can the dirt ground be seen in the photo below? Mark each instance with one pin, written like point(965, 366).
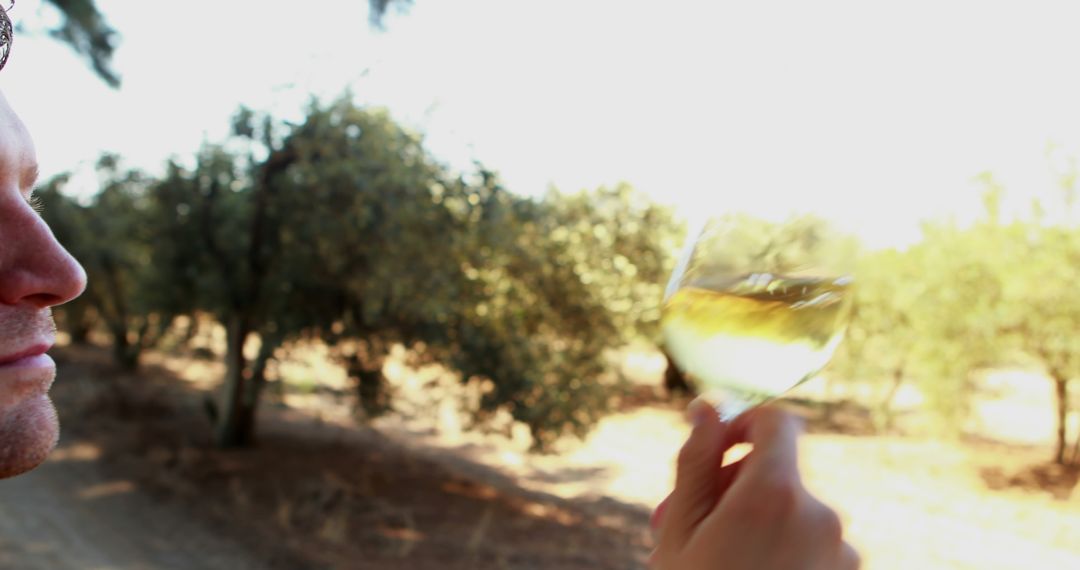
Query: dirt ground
point(313, 494)
point(136, 485)
point(71, 514)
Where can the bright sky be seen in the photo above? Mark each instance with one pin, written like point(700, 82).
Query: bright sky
point(876, 115)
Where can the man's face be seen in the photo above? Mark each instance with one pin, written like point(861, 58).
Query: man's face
point(35, 274)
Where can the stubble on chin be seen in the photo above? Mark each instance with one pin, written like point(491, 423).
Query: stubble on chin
point(28, 433)
point(29, 426)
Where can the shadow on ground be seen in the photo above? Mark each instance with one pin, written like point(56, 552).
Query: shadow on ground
point(334, 497)
point(1058, 480)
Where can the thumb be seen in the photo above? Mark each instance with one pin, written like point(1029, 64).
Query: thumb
point(696, 490)
point(774, 435)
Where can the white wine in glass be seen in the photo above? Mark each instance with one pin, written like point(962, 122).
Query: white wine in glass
point(755, 308)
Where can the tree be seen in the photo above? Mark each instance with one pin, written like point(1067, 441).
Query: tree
point(1028, 306)
point(932, 313)
point(527, 294)
point(324, 237)
point(378, 9)
point(370, 238)
point(110, 238)
point(1043, 313)
point(83, 27)
point(958, 313)
point(619, 245)
point(66, 220)
point(345, 230)
point(219, 248)
point(562, 280)
point(882, 338)
point(994, 293)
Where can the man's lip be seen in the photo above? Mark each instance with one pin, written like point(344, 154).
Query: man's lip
point(29, 352)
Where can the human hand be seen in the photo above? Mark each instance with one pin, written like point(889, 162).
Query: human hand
point(754, 514)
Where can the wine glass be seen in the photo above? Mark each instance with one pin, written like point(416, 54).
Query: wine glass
point(756, 307)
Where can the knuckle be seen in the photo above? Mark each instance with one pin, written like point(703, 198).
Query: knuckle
point(690, 457)
point(829, 525)
point(784, 495)
point(771, 501)
point(851, 559)
point(659, 559)
point(686, 454)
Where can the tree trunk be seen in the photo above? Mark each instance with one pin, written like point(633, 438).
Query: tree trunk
point(234, 426)
point(125, 355)
point(885, 407)
point(78, 323)
point(80, 334)
point(1062, 392)
point(370, 388)
point(253, 386)
point(1076, 450)
point(675, 382)
point(236, 423)
point(236, 418)
point(191, 330)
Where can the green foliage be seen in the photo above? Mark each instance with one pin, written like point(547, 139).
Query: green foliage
point(931, 313)
point(342, 228)
point(378, 9)
point(529, 294)
point(880, 345)
point(1041, 311)
point(617, 243)
point(110, 237)
point(199, 233)
point(553, 285)
point(995, 293)
point(66, 218)
point(84, 29)
point(361, 229)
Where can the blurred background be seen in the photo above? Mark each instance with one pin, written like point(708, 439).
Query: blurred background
point(377, 284)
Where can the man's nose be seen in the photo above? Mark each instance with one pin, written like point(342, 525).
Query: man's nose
point(35, 269)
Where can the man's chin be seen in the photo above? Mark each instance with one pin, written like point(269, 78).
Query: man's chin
point(29, 430)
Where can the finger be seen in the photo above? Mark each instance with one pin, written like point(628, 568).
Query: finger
point(657, 517)
point(774, 434)
point(849, 558)
point(767, 491)
point(727, 476)
point(695, 492)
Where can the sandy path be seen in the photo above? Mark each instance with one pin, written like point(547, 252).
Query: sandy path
point(906, 503)
point(67, 514)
